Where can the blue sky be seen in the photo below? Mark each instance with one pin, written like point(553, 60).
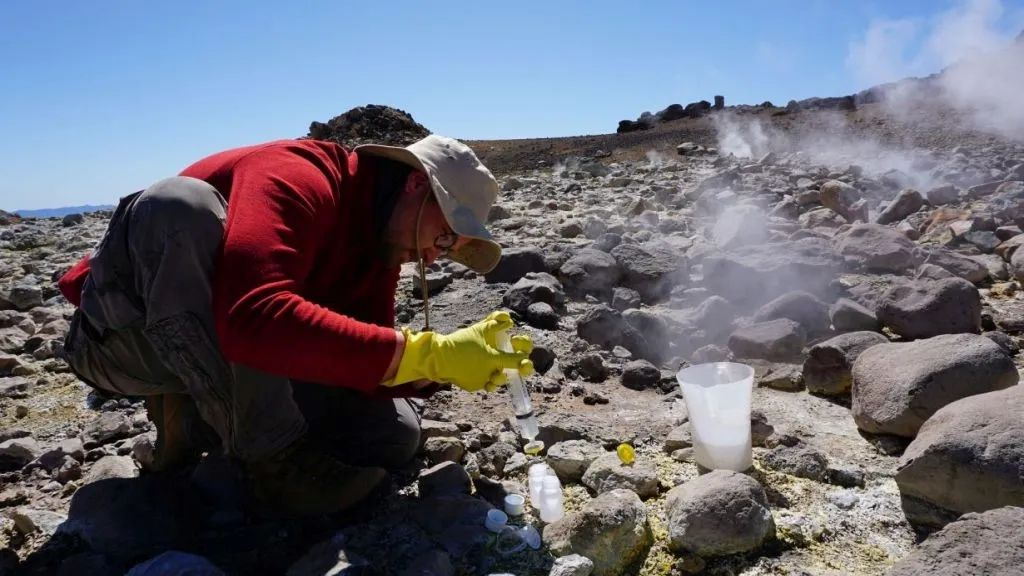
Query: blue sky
point(100, 98)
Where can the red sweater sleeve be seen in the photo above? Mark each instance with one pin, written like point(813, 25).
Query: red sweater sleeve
point(282, 213)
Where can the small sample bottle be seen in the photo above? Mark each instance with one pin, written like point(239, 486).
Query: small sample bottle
point(551, 504)
point(535, 483)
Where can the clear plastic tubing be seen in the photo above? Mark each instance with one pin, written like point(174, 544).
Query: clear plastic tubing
point(520, 396)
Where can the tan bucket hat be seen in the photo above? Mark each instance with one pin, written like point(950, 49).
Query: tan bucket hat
point(465, 189)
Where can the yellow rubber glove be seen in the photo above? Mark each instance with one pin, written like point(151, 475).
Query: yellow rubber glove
point(468, 358)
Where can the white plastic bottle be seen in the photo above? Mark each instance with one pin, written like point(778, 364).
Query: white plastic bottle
point(521, 404)
point(551, 504)
point(536, 482)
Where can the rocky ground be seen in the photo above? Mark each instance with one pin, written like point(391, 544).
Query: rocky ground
point(870, 276)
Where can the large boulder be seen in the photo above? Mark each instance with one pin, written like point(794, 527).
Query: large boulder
point(758, 273)
point(799, 306)
point(978, 543)
point(516, 263)
point(877, 247)
point(590, 271)
point(739, 226)
point(926, 308)
point(612, 530)
point(828, 369)
point(898, 386)
point(968, 457)
point(652, 274)
point(772, 340)
point(719, 513)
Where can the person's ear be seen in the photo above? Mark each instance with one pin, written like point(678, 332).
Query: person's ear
point(416, 182)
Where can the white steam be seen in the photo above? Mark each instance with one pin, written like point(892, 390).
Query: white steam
point(973, 44)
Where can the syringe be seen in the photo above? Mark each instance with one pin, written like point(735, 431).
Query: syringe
point(520, 395)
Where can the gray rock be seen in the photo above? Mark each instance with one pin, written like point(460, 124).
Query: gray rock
point(330, 556)
point(591, 367)
point(625, 298)
point(828, 369)
point(923, 308)
point(968, 457)
point(608, 473)
point(436, 282)
point(959, 265)
point(640, 375)
point(897, 386)
point(843, 199)
point(942, 195)
point(877, 247)
point(605, 242)
point(31, 521)
point(572, 565)
point(174, 563)
point(906, 203)
point(757, 273)
point(1017, 265)
point(680, 437)
point(516, 263)
point(542, 315)
point(21, 297)
point(442, 449)
point(1007, 343)
point(15, 387)
point(134, 517)
point(444, 478)
point(590, 271)
point(108, 427)
point(72, 220)
point(801, 461)
point(848, 316)
point(719, 513)
point(493, 458)
point(977, 543)
point(606, 327)
point(788, 377)
point(612, 530)
point(932, 272)
point(798, 306)
point(772, 340)
point(571, 459)
point(433, 428)
point(111, 467)
point(17, 452)
point(760, 429)
point(570, 229)
point(651, 273)
point(532, 288)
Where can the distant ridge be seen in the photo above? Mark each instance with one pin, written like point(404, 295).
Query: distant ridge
point(64, 211)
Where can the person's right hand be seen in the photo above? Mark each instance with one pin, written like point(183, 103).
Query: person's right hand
point(468, 358)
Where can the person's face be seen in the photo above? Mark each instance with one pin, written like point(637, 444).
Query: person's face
point(436, 237)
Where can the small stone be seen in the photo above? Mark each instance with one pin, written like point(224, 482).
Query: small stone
point(444, 478)
point(799, 461)
point(640, 375)
point(542, 315)
point(760, 429)
point(845, 476)
point(844, 500)
point(848, 316)
point(444, 449)
point(593, 397)
point(571, 458)
point(111, 467)
point(17, 452)
point(108, 427)
point(592, 368)
point(679, 437)
point(608, 473)
point(20, 411)
point(30, 521)
point(572, 565)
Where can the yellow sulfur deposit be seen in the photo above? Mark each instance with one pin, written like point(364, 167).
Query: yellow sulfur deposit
point(626, 454)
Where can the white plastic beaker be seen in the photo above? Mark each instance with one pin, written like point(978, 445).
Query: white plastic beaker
point(718, 397)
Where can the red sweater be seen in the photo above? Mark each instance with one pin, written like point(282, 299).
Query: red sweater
point(297, 290)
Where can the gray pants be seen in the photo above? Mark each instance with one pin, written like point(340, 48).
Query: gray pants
point(145, 326)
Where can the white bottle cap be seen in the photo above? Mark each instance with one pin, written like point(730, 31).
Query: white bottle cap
point(496, 520)
point(540, 469)
point(514, 504)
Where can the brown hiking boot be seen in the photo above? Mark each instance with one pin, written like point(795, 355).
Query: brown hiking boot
point(181, 434)
point(304, 480)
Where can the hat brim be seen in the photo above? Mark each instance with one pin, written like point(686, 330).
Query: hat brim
point(481, 254)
